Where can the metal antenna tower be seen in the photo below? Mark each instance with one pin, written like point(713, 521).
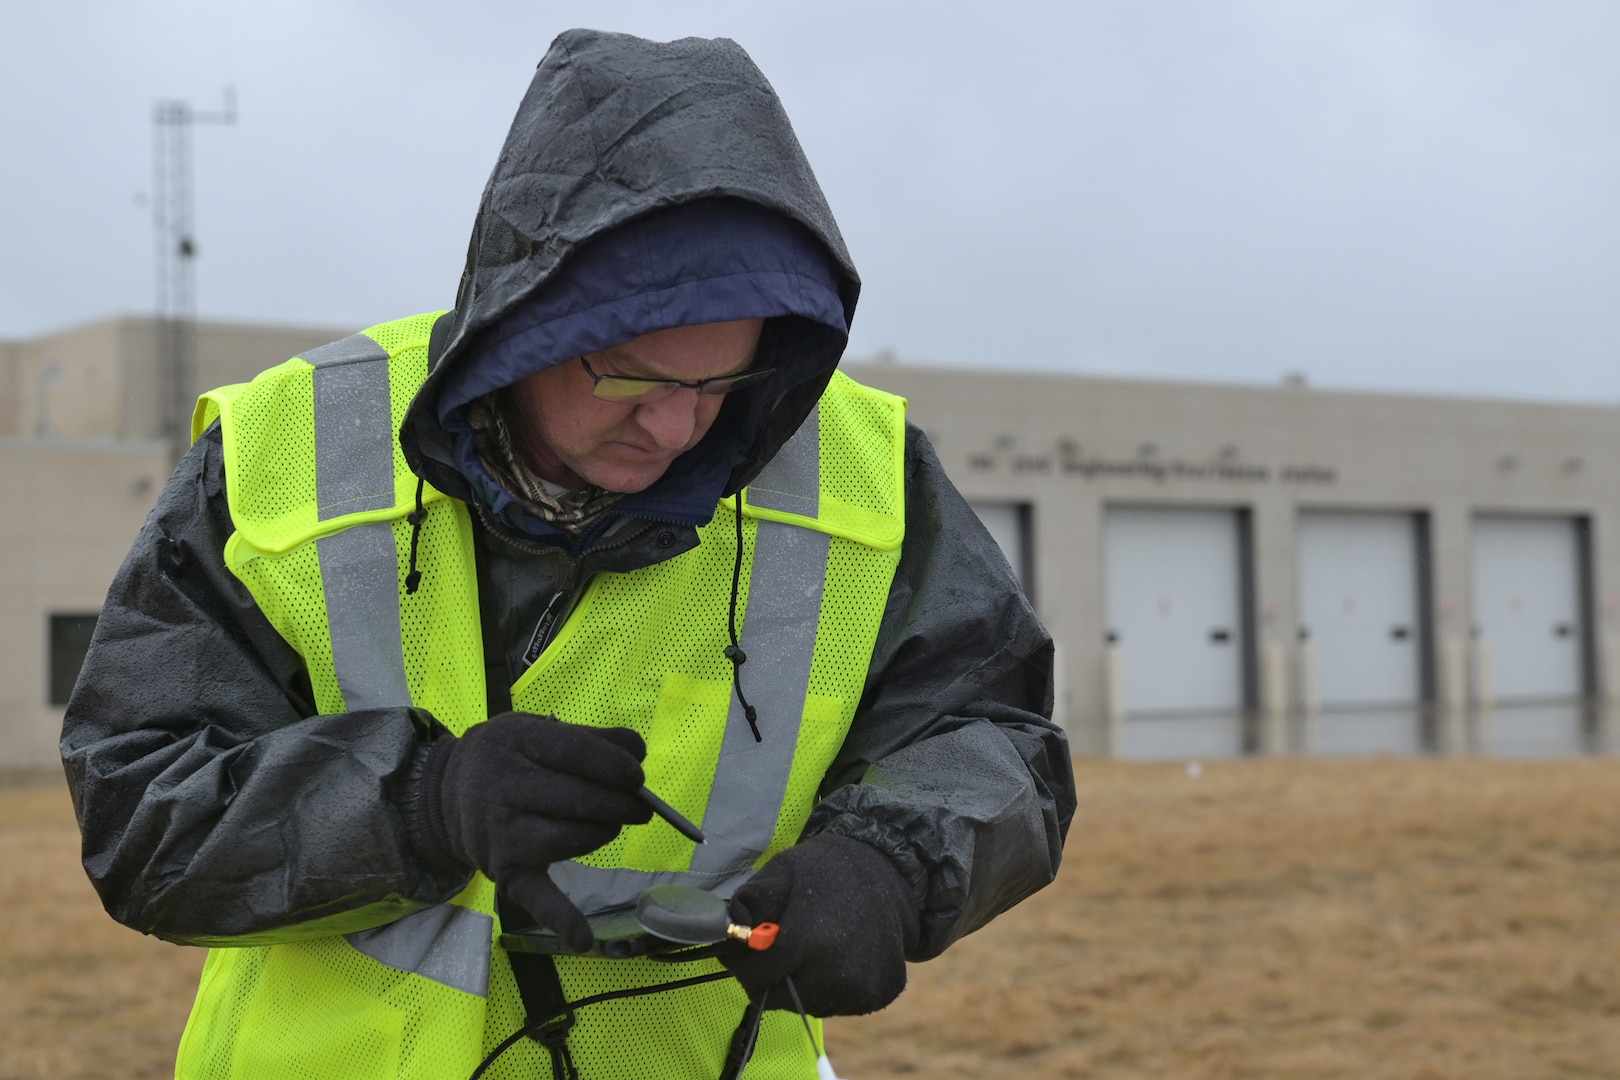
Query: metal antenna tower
point(176, 250)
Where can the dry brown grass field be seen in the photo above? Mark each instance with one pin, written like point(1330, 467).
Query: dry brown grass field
point(1422, 920)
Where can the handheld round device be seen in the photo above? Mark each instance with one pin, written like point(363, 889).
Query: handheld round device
point(688, 915)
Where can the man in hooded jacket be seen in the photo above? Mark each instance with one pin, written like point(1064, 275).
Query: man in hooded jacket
point(621, 484)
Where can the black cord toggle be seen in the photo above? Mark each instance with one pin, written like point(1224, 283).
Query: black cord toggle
point(553, 1035)
point(415, 517)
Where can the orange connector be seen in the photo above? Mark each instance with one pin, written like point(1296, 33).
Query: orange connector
point(759, 938)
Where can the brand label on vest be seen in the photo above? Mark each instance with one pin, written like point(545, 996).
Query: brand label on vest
point(542, 630)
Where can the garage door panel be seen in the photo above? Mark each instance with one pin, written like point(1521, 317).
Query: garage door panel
point(1174, 608)
point(1359, 607)
point(1527, 606)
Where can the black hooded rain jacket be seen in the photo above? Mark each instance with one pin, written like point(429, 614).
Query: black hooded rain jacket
point(217, 807)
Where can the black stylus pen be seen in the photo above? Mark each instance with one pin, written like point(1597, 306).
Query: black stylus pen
point(671, 815)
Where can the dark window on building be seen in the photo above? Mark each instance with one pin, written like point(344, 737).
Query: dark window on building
point(70, 640)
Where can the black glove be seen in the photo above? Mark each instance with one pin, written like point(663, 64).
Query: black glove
point(847, 920)
point(520, 792)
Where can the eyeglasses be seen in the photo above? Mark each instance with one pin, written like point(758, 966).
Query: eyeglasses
point(630, 388)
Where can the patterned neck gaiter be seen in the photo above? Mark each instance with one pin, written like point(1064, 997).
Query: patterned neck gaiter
point(493, 420)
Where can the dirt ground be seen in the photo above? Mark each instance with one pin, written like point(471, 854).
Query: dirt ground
point(1421, 920)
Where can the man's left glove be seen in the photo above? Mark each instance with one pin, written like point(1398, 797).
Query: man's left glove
point(847, 920)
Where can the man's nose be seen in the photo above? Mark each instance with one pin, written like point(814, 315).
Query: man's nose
point(671, 420)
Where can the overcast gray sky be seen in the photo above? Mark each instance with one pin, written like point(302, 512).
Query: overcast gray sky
point(1415, 195)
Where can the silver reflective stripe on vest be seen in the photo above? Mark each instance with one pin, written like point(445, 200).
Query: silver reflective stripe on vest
point(791, 482)
point(784, 609)
point(448, 944)
point(786, 582)
point(354, 472)
point(361, 579)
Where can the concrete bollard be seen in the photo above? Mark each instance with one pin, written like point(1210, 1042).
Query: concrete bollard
point(1310, 700)
point(1451, 728)
point(1113, 700)
point(1274, 740)
point(1484, 696)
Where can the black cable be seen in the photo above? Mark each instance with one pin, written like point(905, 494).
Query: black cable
point(804, 1016)
point(734, 651)
point(571, 1007)
point(506, 1044)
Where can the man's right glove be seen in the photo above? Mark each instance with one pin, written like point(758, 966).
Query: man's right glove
point(520, 792)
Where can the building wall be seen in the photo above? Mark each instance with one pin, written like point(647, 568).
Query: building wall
point(81, 462)
point(68, 385)
point(1073, 446)
point(103, 380)
point(73, 507)
point(8, 388)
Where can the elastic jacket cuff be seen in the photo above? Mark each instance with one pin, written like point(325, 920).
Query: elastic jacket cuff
point(425, 824)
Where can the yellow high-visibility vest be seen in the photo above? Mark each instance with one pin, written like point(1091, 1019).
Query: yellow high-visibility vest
point(320, 494)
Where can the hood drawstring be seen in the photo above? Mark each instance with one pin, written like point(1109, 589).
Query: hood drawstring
point(415, 517)
point(734, 651)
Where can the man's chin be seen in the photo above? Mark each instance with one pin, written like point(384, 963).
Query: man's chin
point(628, 472)
point(627, 480)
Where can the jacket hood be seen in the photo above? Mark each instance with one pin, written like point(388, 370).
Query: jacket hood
point(633, 171)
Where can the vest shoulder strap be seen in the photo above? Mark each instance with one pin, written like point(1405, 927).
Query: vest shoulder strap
point(843, 472)
point(311, 443)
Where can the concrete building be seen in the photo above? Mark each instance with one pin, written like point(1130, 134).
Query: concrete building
point(1239, 569)
point(83, 453)
point(1226, 569)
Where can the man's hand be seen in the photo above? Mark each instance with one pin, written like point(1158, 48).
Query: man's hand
point(847, 920)
point(520, 792)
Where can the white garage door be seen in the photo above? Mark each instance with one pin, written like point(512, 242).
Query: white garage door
point(1528, 611)
point(1527, 606)
point(1006, 523)
point(1173, 604)
point(1358, 613)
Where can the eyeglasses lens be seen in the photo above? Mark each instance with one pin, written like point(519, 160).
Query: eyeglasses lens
point(616, 388)
point(624, 388)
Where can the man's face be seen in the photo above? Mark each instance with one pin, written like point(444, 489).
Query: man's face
point(572, 437)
